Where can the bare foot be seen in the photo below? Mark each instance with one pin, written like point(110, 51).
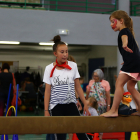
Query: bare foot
point(110, 114)
point(136, 113)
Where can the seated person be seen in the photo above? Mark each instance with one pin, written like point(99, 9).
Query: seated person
point(29, 86)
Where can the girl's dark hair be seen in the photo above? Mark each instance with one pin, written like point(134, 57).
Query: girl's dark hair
point(57, 41)
point(5, 66)
point(128, 22)
point(93, 102)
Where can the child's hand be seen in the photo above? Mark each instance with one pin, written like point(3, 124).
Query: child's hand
point(80, 108)
point(46, 113)
point(86, 112)
point(79, 105)
point(127, 49)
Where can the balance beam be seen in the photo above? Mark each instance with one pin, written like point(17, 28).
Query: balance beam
point(74, 124)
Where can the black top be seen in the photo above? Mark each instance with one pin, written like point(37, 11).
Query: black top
point(125, 110)
point(5, 80)
point(30, 87)
point(131, 60)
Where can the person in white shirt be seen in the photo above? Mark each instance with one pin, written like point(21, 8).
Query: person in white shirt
point(61, 80)
point(92, 106)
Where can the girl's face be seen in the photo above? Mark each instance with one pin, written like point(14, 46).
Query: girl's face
point(116, 25)
point(61, 53)
point(89, 102)
point(96, 77)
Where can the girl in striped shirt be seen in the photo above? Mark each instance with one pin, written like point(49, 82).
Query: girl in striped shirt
point(61, 80)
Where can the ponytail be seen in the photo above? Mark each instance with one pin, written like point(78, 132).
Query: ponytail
point(131, 26)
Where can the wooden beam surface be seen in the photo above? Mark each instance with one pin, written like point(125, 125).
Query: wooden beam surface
point(80, 124)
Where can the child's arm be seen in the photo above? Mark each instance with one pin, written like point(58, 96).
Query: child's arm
point(87, 92)
point(81, 95)
point(108, 100)
point(76, 95)
point(78, 103)
point(47, 99)
point(125, 43)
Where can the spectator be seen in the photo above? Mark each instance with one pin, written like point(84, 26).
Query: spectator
point(100, 89)
point(92, 107)
point(0, 70)
point(6, 79)
point(29, 86)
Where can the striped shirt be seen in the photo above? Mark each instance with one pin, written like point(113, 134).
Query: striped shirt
point(62, 84)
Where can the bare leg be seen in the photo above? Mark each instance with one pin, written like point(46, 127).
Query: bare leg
point(100, 136)
point(135, 94)
point(121, 80)
point(70, 136)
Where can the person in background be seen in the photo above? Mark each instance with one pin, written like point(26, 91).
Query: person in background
point(100, 90)
point(26, 74)
point(71, 58)
point(92, 108)
point(0, 70)
point(81, 79)
point(6, 79)
point(29, 86)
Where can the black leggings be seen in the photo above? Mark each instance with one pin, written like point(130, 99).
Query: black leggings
point(67, 110)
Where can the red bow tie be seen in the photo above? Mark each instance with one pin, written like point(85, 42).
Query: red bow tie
point(64, 65)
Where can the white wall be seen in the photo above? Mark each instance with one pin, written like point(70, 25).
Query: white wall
point(39, 26)
point(29, 59)
point(38, 59)
point(107, 52)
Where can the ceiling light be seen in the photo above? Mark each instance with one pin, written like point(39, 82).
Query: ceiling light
point(48, 43)
point(9, 42)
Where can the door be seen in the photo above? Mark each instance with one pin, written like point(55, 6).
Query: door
point(94, 63)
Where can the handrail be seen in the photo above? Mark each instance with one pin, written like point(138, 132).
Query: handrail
point(134, 1)
point(73, 6)
point(134, 7)
point(60, 5)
